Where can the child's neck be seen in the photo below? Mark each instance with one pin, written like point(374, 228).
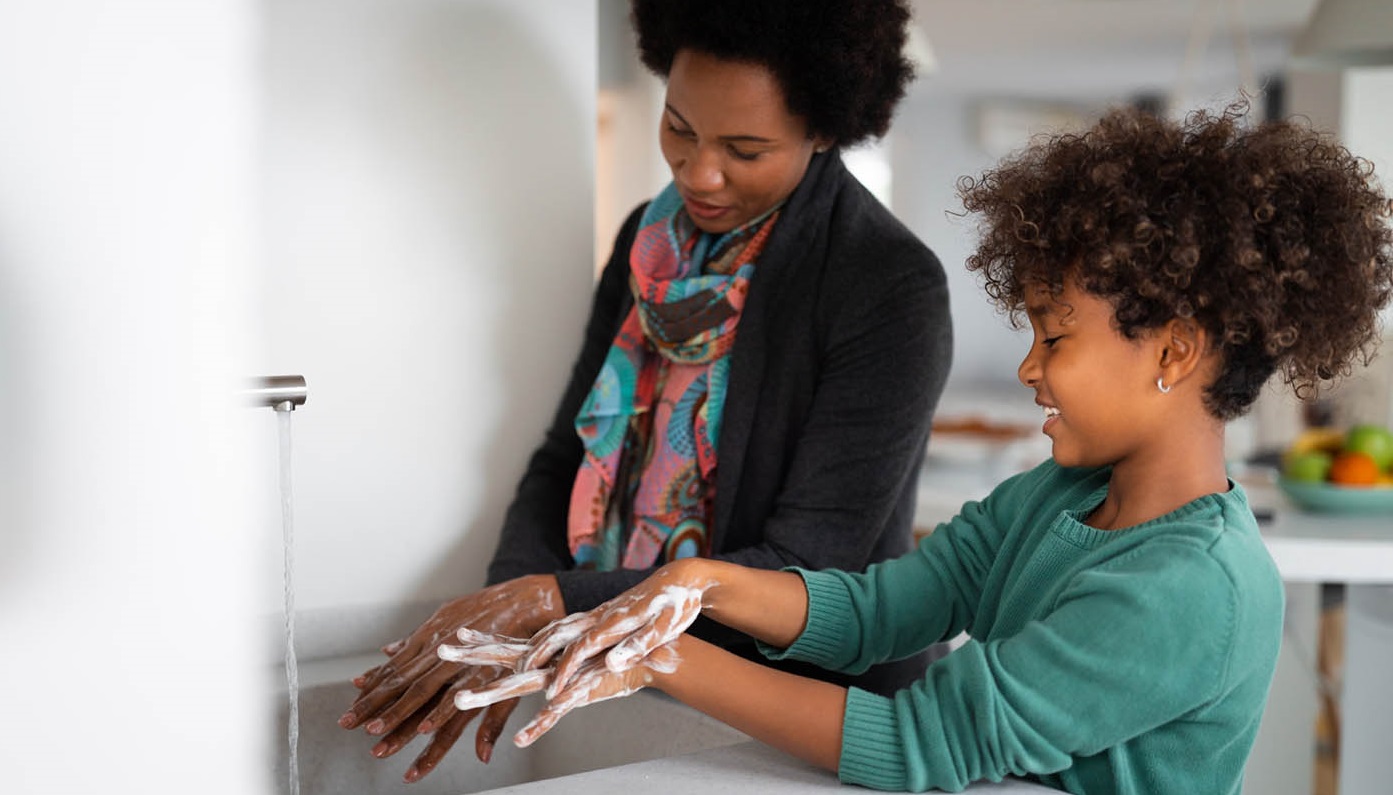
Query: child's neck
point(1152, 483)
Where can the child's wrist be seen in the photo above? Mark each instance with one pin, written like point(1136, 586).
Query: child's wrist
point(670, 679)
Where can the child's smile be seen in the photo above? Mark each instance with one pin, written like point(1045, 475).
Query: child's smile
point(1093, 384)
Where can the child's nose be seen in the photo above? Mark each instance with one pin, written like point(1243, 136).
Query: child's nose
point(1029, 371)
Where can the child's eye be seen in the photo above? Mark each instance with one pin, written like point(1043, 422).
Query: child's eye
point(1049, 342)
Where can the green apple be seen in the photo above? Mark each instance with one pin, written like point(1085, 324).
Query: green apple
point(1309, 467)
point(1375, 441)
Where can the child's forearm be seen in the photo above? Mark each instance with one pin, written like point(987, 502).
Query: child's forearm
point(797, 715)
point(769, 605)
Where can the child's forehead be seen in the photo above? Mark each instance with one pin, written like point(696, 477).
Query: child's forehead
point(1042, 299)
point(1062, 302)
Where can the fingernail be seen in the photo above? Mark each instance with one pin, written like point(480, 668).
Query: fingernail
point(348, 720)
point(425, 727)
point(380, 750)
point(412, 775)
point(486, 753)
point(358, 681)
point(376, 727)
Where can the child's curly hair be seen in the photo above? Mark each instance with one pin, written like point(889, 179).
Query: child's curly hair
point(839, 62)
point(1274, 238)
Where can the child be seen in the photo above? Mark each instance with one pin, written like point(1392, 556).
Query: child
point(1123, 611)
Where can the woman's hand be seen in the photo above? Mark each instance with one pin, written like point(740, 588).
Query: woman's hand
point(413, 692)
point(628, 628)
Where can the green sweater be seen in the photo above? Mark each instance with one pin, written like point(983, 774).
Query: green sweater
point(1131, 661)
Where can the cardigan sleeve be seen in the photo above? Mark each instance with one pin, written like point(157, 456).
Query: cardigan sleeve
point(533, 538)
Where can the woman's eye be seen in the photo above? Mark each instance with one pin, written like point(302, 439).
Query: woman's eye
point(675, 130)
point(1049, 342)
point(744, 155)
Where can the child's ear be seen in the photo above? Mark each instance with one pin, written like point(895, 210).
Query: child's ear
point(1183, 344)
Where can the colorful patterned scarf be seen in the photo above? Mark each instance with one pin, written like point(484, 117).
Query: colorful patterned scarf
point(650, 424)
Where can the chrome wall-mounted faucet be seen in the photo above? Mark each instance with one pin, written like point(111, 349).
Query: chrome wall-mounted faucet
point(280, 392)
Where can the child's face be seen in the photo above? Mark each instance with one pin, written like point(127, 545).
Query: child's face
point(1097, 387)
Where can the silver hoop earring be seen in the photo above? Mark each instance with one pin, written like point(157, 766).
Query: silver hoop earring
point(1161, 385)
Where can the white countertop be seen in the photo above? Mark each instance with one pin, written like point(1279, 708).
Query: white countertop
point(1355, 549)
point(743, 767)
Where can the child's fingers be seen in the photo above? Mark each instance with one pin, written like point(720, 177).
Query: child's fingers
point(542, 722)
point(483, 648)
point(590, 645)
point(633, 649)
point(507, 687)
point(473, 637)
point(553, 638)
point(478, 655)
point(670, 623)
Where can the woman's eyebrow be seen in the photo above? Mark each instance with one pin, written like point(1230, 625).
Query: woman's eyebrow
point(745, 138)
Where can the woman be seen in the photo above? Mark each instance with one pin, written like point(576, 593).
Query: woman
point(763, 357)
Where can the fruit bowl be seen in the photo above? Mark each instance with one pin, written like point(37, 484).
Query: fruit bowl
point(1328, 498)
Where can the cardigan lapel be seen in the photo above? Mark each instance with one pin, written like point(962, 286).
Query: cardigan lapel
point(802, 222)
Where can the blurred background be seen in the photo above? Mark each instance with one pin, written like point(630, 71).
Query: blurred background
point(405, 201)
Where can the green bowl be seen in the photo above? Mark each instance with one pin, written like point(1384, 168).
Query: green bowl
point(1325, 498)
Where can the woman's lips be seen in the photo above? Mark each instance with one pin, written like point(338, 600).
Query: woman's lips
point(704, 211)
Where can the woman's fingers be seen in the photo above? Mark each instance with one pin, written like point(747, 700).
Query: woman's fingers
point(397, 738)
point(419, 691)
point(491, 728)
point(440, 744)
point(388, 685)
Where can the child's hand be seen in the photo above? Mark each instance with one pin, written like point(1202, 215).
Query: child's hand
point(499, 652)
point(630, 626)
point(592, 683)
point(483, 648)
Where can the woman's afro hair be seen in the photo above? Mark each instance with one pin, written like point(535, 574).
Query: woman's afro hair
point(840, 62)
point(1274, 238)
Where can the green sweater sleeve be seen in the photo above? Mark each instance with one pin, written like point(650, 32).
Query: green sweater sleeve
point(938, 587)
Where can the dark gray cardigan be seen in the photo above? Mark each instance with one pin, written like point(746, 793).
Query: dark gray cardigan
point(839, 360)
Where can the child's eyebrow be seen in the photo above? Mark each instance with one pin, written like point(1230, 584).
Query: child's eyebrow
point(1039, 309)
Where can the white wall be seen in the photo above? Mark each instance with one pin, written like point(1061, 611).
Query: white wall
point(426, 194)
point(935, 143)
point(126, 246)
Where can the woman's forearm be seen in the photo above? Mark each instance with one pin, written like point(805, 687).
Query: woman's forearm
point(771, 606)
point(795, 714)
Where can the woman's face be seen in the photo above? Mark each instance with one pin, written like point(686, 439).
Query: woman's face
point(734, 149)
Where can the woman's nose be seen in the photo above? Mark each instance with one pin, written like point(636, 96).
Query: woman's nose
point(702, 171)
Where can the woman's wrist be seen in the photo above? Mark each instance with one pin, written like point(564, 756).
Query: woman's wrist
point(547, 603)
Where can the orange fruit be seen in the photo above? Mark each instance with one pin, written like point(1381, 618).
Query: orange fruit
point(1354, 469)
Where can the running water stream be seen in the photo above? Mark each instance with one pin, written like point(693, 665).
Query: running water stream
point(292, 676)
